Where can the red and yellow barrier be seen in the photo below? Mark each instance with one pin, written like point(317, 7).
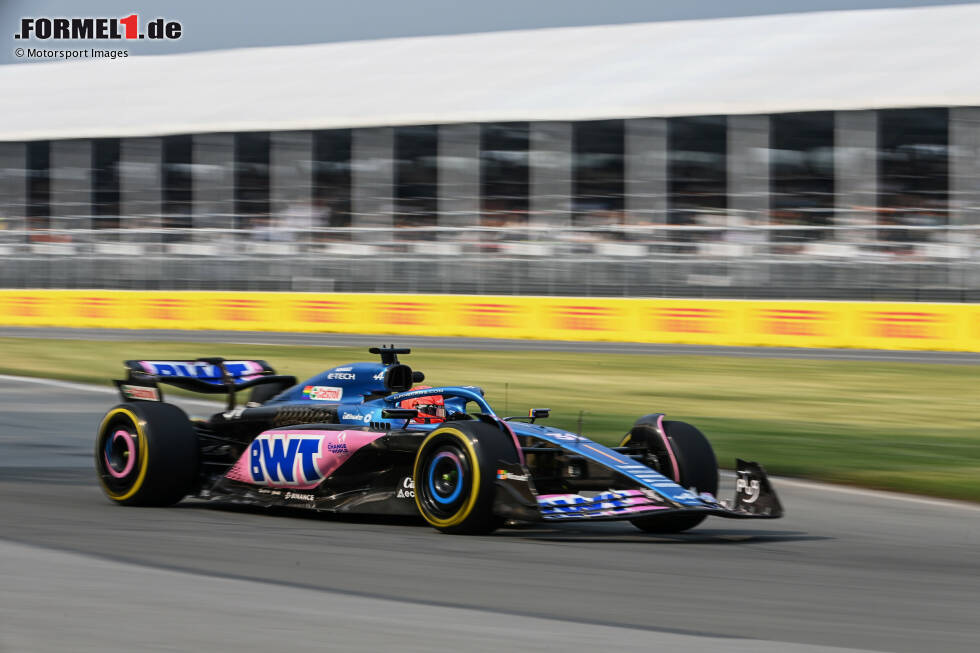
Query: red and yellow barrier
point(874, 325)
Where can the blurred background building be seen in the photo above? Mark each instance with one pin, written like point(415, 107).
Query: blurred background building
point(818, 155)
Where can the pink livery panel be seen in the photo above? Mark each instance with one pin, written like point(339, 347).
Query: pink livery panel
point(297, 458)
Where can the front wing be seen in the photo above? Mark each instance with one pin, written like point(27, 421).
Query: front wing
point(754, 499)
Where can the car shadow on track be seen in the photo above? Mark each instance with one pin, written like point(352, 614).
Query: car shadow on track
point(303, 513)
point(605, 532)
point(696, 536)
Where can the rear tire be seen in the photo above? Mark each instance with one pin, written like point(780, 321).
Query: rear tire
point(146, 454)
point(454, 474)
point(696, 465)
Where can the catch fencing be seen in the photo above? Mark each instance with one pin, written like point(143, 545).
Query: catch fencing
point(751, 262)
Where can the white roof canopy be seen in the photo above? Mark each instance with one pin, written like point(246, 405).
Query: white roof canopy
point(797, 62)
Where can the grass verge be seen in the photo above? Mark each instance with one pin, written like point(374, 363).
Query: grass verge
point(910, 427)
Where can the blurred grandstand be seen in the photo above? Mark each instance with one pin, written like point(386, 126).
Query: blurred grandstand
point(831, 155)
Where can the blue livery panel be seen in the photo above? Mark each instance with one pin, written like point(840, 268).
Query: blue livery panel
point(626, 466)
point(347, 384)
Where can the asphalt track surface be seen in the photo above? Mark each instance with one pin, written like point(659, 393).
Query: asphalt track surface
point(492, 344)
point(845, 569)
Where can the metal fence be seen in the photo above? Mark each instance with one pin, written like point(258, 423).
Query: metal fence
point(879, 262)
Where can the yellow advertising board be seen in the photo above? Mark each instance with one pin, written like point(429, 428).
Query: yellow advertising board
point(873, 325)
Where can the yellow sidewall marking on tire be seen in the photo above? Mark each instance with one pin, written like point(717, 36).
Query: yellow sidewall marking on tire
point(465, 511)
point(141, 452)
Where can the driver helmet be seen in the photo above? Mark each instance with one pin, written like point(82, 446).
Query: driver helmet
point(432, 409)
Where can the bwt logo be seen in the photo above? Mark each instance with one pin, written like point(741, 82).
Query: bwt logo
point(199, 370)
point(97, 29)
point(286, 459)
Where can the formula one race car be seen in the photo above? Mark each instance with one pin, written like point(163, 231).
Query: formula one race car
point(358, 439)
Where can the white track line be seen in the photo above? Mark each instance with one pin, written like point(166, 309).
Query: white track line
point(877, 494)
point(812, 485)
point(85, 387)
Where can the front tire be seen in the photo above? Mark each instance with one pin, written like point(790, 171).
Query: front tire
point(146, 454)
point(454, 475)
point(691, 465)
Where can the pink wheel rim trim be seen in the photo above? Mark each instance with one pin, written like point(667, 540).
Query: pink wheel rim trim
point(130, 459)
point(670, 450)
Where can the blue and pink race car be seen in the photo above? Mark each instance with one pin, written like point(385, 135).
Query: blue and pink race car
point(366, 438)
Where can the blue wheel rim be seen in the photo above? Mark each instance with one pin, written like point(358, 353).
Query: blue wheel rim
point(439, 460)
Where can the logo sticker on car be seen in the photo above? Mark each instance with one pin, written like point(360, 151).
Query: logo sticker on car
point(323, 393)
point(142, 392)
point(406, 489)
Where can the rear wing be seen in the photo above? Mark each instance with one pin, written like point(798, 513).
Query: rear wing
point(204, 375)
